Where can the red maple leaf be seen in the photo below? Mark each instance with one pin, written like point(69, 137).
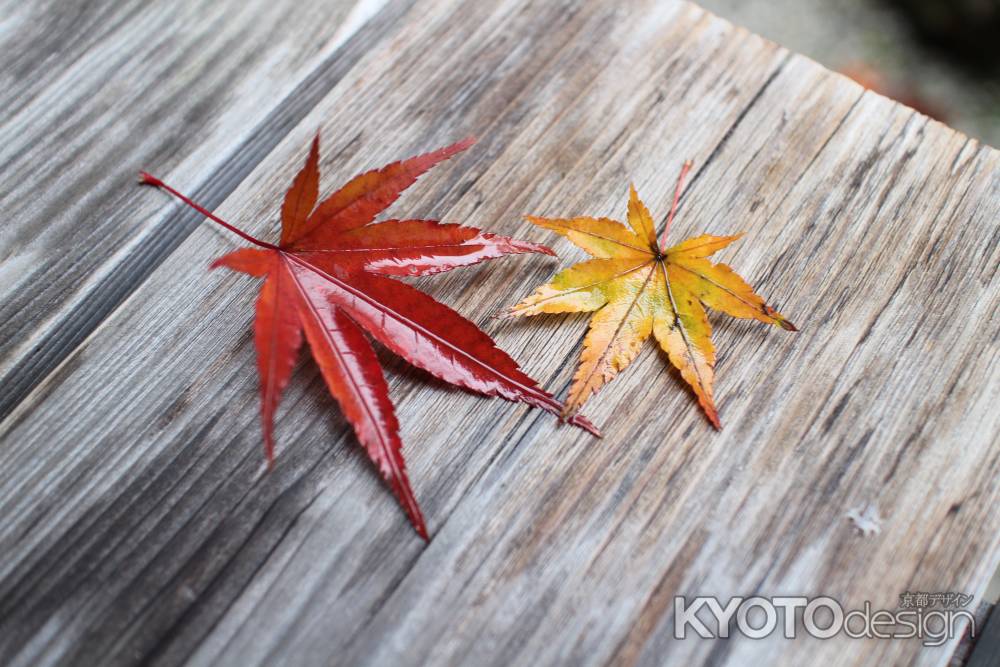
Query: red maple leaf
point(326, 278)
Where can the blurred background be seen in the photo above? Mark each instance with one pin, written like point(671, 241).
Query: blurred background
point(941, 57)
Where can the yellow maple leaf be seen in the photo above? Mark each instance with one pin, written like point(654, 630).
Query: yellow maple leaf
point(640, 287)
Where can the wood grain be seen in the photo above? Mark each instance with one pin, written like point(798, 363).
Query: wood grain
point(140, 525)
point(95, 91)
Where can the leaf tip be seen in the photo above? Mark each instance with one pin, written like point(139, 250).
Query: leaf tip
point(517, 310)
point(778, 319)
point(582, 422)
point(457, 147)
point(708, 405)
point(422, 532)
point(417, 520)
point(544, 250)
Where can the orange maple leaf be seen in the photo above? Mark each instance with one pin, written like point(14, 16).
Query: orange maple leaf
point(639, 287)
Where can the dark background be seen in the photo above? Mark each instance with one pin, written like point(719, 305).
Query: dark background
point(941, 57)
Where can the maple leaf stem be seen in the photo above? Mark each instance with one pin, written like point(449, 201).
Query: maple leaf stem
point(148, 179)
point(673, 208)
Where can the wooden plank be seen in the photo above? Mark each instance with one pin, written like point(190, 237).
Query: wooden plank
point(139, 522)
point(93, 92)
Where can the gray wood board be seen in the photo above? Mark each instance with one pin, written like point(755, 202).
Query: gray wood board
point(95, 91)
point(140, 524)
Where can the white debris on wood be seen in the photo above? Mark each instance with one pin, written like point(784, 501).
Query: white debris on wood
point(867, 521)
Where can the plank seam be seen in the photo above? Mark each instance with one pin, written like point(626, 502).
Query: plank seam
point(114, 290)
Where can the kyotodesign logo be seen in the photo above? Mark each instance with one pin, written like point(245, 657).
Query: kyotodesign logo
point(934, 618)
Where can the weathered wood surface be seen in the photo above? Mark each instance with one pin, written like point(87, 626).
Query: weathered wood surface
point(139, 524)
point(90, 92)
